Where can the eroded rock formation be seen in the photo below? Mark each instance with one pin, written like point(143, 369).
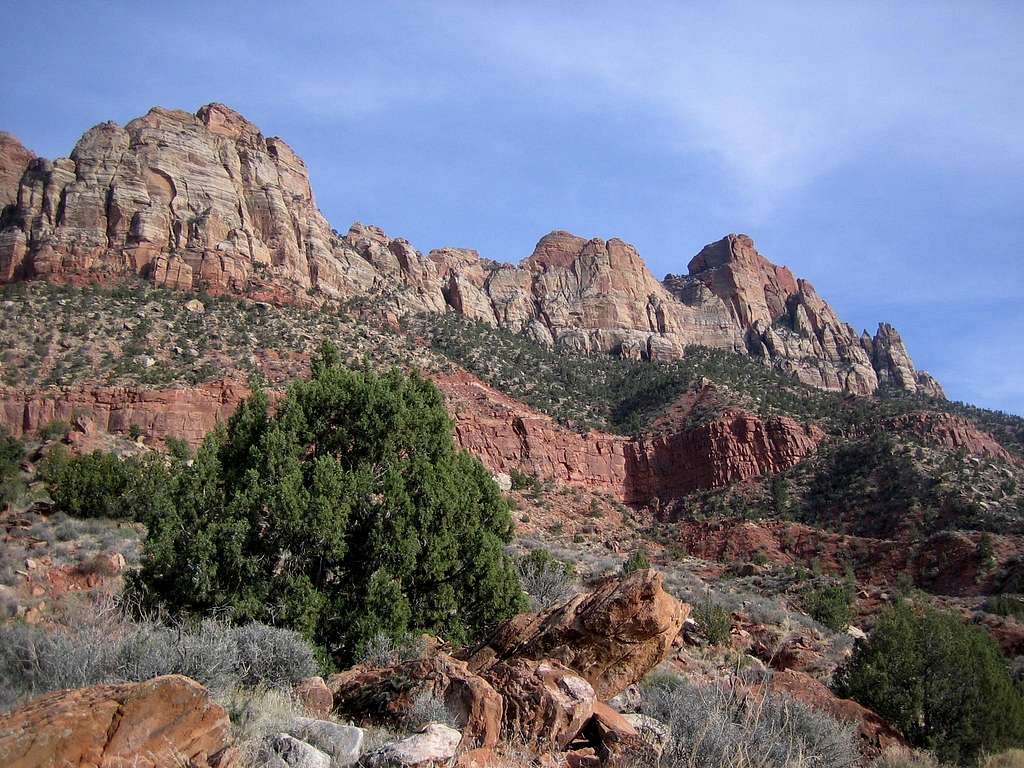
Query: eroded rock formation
point(505, 435)
point(205, 201)
point(539, 680)
point(162, 722)
point(611, 636)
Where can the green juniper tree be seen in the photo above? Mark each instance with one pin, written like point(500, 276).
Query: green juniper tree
point(939, 680)
point(345, 513)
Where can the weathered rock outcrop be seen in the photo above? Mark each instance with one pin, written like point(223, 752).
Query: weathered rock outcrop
point(611, 636)
point(947, 430)
point(187, 413)
point(206, 201)
point(164, 722)
point(188, 201)
point(505, 435)
point(14, 159)
point(538, 681)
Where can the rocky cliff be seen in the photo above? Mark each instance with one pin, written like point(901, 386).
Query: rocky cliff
point(504, 434)
point(646, 469)
point(205, 201)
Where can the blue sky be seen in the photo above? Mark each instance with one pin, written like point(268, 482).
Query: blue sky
point(875, 148)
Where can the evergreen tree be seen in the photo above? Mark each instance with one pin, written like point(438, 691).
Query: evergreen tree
point(346, 513)
point(940, 681)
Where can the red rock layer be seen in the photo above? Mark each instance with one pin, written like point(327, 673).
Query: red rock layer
point(186, 413)
point(948, 431)
point(503, 433)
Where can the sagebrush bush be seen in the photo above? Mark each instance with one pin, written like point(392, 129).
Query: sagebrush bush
point(545, 579)
point(722, 726)
point(426, 708)
point(34, 660)
point(900, 757)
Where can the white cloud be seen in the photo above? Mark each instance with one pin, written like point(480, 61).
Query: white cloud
point(782, 93)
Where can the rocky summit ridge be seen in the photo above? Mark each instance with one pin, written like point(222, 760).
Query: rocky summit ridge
point(205, 202)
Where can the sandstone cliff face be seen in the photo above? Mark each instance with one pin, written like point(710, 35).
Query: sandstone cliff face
point(188, 414)
point(639, 470)
point(205, 201)
point(187, 201)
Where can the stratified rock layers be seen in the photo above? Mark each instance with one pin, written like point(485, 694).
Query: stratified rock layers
point(205, 201)
point(501, 432)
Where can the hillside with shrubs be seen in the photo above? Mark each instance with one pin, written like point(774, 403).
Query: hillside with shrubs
point(331, 529)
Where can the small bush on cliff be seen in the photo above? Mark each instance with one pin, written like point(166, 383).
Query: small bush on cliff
point(345, 514)
point(713, 621)
point(638, 561)
point(942, 682)
point(12, 450)
point(830, 605)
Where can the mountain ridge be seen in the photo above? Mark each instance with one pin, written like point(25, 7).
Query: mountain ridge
point(205, 202)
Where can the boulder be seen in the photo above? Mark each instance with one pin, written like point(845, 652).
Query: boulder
point(163, 722)
point(546, 703)
point(611, 637)
point(315, 696)
point(387, 693)
point(343, 743)
point(285, 750)
point(435, 743)
point(615, 739)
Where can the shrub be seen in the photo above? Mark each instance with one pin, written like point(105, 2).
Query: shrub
point(713, 621)
point(904, 758)
point(545, 579)
point(831, 605)
point(54, 429)
point(346, 513)
point(638, 561)
point(1013, 758)
point(1005, 605)
point(942, 682)
point(178, 449)
point(986, 552)
point(12, 451)
point(100, 484)
point(717, 726)
point(521, 481)
point(34, 660)
point(426, 708)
